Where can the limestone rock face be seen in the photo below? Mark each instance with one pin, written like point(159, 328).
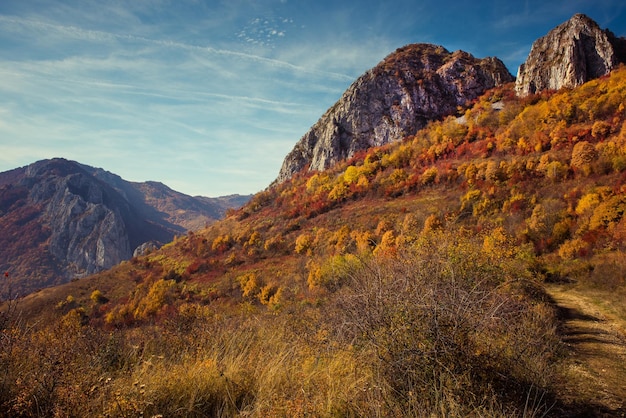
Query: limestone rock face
point(413, 85)
point(61, 220)
point(146, 248)
point(86, 219)
point(87, 234)
point(569, 55)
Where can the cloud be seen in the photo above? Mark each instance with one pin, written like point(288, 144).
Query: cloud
point(32, 26)
point(265, 31)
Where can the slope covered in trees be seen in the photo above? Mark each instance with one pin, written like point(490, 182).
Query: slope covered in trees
point(405, 281)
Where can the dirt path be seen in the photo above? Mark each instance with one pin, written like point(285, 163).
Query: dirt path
point(594, 368)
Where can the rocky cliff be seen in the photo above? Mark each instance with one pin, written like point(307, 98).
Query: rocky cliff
point(415, 84)
point(569, 55)
point(61, 220)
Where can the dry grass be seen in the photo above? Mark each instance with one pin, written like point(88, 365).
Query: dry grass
point(435, 331)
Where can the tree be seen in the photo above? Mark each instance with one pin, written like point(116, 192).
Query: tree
point(600, 129)
point(97, 297)
point(583, 155)
point(221, 243)
point(429, 175)
point(303, 244)
point(608, 213)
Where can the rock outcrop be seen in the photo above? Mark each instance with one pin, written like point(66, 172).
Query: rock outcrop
point(569, 55)
point(61, 220)
point(146, 248)
point(88, 232)
point(413, 85)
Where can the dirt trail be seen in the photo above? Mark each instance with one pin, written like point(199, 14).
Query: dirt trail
point(594, 372)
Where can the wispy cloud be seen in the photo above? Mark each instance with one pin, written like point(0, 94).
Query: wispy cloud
point(107, 37)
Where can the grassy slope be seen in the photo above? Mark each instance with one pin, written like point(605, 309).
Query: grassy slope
point(235, 318)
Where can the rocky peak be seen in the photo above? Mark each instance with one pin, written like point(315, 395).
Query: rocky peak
point(61, 220)
point(415, 84)
point(569, 55)
point(87, 227)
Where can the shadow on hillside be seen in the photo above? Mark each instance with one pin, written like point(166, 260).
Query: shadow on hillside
point(586, 411)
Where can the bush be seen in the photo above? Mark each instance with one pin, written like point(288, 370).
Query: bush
point(583, 155)
point(573, 249)
point(332, 274)
point(445, 327)
point(98, 298)
point(303, 244)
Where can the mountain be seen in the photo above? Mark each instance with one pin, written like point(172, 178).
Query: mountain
point(61, 220)
point(569, 55)
point(156, 199)
point(416, 268)
point(407, 280)
point(415, 84)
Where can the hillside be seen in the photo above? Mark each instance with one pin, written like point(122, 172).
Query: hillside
point(62, 220)
point(407, 280)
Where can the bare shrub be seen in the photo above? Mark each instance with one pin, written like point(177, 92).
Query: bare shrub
point(447, 328)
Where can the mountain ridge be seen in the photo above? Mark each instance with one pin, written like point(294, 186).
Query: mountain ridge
point(85, 219)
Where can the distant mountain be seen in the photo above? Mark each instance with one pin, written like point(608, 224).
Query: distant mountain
point(569, 55)
point(415, 84)
point(156, 199)
point(61, 220)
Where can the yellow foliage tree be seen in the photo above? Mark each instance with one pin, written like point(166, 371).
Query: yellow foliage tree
point(573, 248)
point(222, 243)
point(158, 296)
point(339, 192)
point(303, 244)
point(608, 213)
point(351, 174)
point(583, 155)
point(600, 129)
point(498, 245)
point(333, 272)
point(249, 284)
point(555, 171)
point(431, 224)
point(266, 293)
point(468, 201)
point(387, 245)
point(429, 175)
point(274, 243)
point(97, 297)
point(587, 203)
point(364, 241)
point(342, 240)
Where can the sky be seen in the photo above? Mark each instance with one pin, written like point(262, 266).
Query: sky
point(209, 96)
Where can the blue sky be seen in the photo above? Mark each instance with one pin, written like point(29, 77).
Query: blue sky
point(208, 96)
